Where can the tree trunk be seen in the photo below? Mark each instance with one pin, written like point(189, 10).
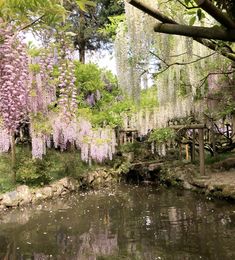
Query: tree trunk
point(82, 52)
point(81, 40)
point(13, 156)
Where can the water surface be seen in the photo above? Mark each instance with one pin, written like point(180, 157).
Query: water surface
point(126, 222)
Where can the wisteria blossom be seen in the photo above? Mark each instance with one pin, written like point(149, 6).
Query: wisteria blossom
point(13, 79)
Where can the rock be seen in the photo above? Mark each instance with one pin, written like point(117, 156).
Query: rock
point(47, 192)
point(226, 164)
point(57, 189)
point(155, 167)
point(25, 194)
point(187, 185)
point(11, 199)
point(90, 178)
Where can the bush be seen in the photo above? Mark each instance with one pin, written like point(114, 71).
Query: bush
point(33, 172)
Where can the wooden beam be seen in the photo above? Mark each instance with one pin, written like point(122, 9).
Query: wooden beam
point(164, 19)
point(193, 151)
point(192, 126)
point(196, 31)
point(216, 13)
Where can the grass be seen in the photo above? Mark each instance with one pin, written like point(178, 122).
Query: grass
point(219, 157)
point(55, 165)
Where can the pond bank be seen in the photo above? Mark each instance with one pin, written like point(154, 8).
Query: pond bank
point(216, 184)
point(24, 195)
point(219, 181)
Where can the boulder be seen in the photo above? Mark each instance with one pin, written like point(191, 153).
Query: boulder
point(11, 199)
point(25, 194)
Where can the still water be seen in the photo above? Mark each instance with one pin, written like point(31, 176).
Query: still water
point(126, 222)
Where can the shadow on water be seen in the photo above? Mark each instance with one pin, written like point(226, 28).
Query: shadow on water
point(127, 222)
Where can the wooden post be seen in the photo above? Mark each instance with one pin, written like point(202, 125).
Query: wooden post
point(193, 147)
point(180, 155)
point(186, 152)
point(124, 140)
point(201, 151)
point(212, 135)
point(233, 126)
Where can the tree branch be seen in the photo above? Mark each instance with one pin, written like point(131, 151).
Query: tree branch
point(185, 6)
point(203, 80)
point(162, 18)
point(216, 13)
point(196, 31)
point(32, 23)
point(179, 63)
point(151, 11)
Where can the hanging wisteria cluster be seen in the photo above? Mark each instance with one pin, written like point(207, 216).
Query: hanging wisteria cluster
point(28, 87)
point(67, 129)
point(42, 88)
point(96, 144)
point(180, 90)
point(68, 89)
point(132, 50)
point(13, 79)
point(4, 140)
point(42, 92)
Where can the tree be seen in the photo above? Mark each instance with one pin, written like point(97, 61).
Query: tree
point(86, 23)
point(207, 36)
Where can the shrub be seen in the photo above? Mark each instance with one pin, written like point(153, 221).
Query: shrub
point(33, 172)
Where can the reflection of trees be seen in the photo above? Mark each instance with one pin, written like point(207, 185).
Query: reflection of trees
point(137, 223)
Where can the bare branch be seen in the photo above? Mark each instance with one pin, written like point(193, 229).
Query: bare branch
point(203, 80)
point(179, 63)
point(32, 23)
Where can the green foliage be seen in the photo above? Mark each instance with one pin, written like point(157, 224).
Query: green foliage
point(34, 68)
point(148, 98)
point(33, 51)
point(110, 29)
point(33, 172)
point(6, 182)
point(219, 157)
point(22, 11)
point(84, 3)
point(88, 77)
point(68, 163)
point(162, 135)
point(109, 109)
point(40, 123)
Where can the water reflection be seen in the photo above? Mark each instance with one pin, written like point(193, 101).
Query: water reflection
point(123, 223)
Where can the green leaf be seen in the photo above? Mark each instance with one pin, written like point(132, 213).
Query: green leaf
point(199, 14)
point(192, 21)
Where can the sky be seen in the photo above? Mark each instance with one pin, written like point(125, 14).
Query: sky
point(103, 59)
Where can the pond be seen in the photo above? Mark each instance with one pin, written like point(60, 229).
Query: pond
point(125, 222)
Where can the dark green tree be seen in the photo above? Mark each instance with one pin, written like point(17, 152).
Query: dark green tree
point(86, 24)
